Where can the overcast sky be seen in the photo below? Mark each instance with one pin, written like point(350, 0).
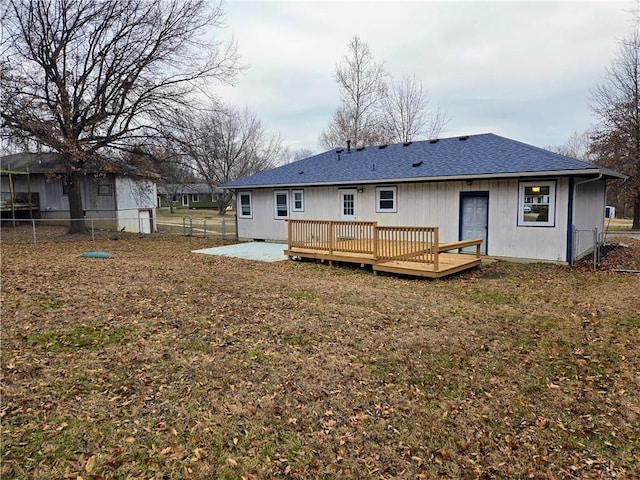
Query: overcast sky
point(523, 70)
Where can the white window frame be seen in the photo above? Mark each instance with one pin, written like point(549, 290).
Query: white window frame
point(240, 212)
point(523, 221)
point(195, 198)
point(394, 200)
point(294, 193)
point(276, 193)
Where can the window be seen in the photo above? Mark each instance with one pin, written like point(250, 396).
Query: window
point(281, 204)
point(537, 204)
point(244, 201)
point(386, 199)
point(298, 201)
point(104, 186)
point(195, 198)
point(185, 200)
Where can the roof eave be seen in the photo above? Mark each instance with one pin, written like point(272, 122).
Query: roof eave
point(484, 176)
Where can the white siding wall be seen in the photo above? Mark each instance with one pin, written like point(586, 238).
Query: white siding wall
point(589, 205)
point(135, 194)
point(132, 196)
point(588, 214)
point(429, 204)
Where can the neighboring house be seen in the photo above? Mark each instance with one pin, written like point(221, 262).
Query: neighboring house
point(115, 201)
point(523, 201)
point(189, 195)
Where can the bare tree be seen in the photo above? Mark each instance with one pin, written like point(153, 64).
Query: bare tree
point(225, 144)
point(174, 171)
point(84, 76)
point(616, 104)
point(406, 112)
point(362, 83)
point(577, 146)
point(290, 156)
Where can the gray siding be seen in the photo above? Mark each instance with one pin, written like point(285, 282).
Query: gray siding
point(437, 204)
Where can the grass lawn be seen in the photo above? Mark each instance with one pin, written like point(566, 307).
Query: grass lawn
point(160, 363)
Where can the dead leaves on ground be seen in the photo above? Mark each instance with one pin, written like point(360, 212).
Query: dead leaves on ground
point(174, 365)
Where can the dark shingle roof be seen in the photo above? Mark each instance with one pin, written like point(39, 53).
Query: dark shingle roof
point(32, 162)
point(484, 155)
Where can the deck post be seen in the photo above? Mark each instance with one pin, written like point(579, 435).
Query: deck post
point(436, 247)
point(376, 257)
point(289, 230)
point(330, 237)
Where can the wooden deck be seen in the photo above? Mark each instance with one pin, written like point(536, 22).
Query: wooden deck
point(412, 251)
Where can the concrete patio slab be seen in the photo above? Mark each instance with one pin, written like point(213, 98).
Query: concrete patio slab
point(261, 251)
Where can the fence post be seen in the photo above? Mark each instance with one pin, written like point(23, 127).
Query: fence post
point(33, 226)
point(596, 249)
point(224, 229)
point(93, 233)
point(204, 225)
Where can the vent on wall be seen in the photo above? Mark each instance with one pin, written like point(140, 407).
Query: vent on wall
point(434, 140)
point(406, 144)
point(463, 138)
point(382, 146)
point(417, 164)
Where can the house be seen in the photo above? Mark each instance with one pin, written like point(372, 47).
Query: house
point(523, 201)
point(188, 195)
point(33, 186)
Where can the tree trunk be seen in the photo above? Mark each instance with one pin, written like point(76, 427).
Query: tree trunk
point(223, 201)
point(76, 213)
point(636, 213)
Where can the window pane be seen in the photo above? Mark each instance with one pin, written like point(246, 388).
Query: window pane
point(281, 205)
point(245, 205)
point(386, 194)
point(386, 199)
point(104, 186)
point(536, 203)
point(348, 204)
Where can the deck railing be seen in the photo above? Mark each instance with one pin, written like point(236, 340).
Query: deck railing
point(410, 244)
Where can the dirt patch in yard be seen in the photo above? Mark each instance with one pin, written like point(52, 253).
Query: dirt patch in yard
point(160, 363)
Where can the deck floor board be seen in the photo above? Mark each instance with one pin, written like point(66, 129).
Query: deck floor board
point(448, 263)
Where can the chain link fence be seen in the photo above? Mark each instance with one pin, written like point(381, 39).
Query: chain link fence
point(40, 230)
point(591, 246)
